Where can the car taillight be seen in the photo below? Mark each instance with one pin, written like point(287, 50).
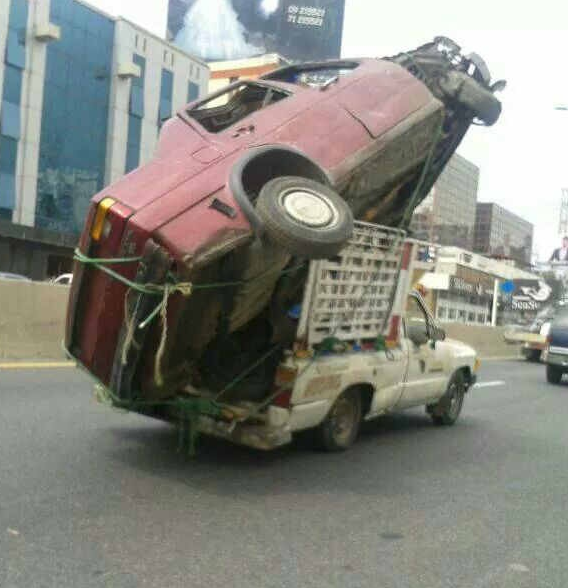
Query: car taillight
point(284, 386)
point(101, 228)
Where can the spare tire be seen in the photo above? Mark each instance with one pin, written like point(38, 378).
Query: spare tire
point(304, 217)
point(471, 94)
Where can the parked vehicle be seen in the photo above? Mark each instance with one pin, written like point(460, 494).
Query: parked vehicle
point(245, 188)
point(13, 277)
point(556, 353)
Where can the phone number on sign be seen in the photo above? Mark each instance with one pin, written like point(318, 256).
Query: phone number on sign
point(306, 15)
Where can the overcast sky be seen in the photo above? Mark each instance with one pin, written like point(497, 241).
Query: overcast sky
point(524, 157)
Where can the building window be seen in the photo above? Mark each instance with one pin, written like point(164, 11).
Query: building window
point(133, 142)
point(166, 95)
point(136, 114)
point(12, 84)
point(136, 39)
point(10, 120)
point(16, 48)
point(192, 92)
point(15, 62)
point(5, 213)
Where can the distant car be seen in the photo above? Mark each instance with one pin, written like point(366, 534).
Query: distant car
point(556, 353)
point(63, 280)
point(13, 277)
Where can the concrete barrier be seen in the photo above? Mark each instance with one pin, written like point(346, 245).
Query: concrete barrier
point(32, 325)
point(32, 320)
point(489, 342)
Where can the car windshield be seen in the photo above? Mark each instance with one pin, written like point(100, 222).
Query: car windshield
point(235, 104)
point(316, 76)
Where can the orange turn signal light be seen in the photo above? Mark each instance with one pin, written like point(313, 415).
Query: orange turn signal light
point(98, 224)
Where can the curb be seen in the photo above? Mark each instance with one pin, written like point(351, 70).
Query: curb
point(34, 365)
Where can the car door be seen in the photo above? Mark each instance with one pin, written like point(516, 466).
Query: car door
point(425, 377)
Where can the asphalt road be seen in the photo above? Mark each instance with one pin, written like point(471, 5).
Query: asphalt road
point(91, 497)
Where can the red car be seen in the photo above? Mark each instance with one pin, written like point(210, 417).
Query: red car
point(247, 184)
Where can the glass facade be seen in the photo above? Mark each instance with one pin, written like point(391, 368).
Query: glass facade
point(135, 116)
point(447, 215)
point(166, 96)
point(500, 233)
point(10, 108)
point(75, 116)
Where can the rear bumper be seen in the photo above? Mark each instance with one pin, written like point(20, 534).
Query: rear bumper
point(261, 437)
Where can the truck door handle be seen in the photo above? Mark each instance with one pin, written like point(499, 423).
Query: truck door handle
point(244, 131)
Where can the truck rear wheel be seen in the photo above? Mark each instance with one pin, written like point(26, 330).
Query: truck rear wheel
point(304, 217)
point(448, 408)
point(341, 426)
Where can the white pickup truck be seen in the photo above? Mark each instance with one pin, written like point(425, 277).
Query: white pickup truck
point(366, 345)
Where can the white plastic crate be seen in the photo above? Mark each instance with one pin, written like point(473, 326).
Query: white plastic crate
point(350, 297)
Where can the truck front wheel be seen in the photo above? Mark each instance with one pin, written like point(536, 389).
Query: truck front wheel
point(448, 408)
point(553, 374)
point(341, 426)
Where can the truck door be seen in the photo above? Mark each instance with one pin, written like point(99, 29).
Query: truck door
point(425, 377)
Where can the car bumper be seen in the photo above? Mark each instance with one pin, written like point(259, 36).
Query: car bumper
point(256, 436)
point(557, 357)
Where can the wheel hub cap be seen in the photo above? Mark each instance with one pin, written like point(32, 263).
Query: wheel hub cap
point(308, 208)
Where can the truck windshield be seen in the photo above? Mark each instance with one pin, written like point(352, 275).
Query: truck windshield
point(224, 110)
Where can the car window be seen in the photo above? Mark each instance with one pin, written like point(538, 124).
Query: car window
point(416, 317)
point(317, 77)
point(226, 109)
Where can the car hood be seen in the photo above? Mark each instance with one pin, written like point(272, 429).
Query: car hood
point(182, 153)
point(460, 349)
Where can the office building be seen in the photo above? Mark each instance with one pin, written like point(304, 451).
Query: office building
point(447, 214)
point(501, 233)
point(83, 97)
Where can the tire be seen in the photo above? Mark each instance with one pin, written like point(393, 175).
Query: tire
point(533, 355)
point(553, 374)
point(448, 409)
point(341, 426)
point(473, 96)
point(304, 217)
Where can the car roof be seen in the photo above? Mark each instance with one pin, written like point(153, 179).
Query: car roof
point(11, 276)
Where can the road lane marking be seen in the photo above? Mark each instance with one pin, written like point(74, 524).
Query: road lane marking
point(490, 384)
point(34, 365)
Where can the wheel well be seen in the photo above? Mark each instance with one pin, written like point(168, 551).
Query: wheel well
point(275, 163)
point(263, 164)
point(466, 371)
point(367, 391)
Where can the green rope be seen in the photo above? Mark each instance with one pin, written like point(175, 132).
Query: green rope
point(190, 409)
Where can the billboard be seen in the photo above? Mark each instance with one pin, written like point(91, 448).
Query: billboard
point(526, 295)
point(218, 30)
